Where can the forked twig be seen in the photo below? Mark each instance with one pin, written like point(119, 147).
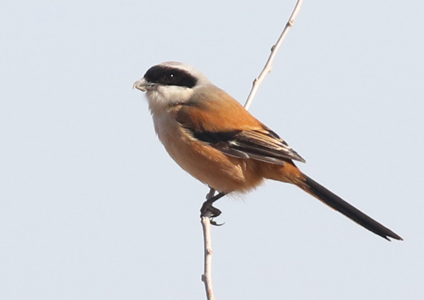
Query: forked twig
point(205, 219)
point(268, 66)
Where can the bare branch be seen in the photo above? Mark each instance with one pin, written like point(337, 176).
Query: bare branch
point(206, 219)
point(207, 244)
point(268, 66)
point(207, 275)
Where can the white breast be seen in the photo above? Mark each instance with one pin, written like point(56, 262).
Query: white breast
point(166, 127)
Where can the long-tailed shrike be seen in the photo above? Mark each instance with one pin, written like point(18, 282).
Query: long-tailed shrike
point(211, 136)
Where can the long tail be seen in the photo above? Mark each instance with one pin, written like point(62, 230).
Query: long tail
point(315, 189)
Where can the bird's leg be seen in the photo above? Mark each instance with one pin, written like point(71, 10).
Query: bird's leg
point(208, 205)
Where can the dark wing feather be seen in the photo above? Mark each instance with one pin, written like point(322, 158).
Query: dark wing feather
point(264, 145)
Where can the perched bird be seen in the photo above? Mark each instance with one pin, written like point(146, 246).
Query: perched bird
point(215, 139)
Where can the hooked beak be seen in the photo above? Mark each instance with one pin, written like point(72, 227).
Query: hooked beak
point(143, 85)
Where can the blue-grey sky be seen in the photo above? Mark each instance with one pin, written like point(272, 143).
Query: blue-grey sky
point(92, 207)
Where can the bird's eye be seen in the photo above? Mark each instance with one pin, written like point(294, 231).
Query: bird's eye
point(169, 76)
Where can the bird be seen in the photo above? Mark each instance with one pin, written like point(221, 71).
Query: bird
point(214, 138)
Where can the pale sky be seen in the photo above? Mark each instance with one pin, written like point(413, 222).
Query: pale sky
point(92, 207)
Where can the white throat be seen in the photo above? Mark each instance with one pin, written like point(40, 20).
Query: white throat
point(163, 96)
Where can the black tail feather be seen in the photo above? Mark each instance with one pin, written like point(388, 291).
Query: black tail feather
point(337, 203)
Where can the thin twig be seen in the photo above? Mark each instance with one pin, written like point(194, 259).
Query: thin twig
point(206, 221)
point(268, 66)
point(207, 275)
point(207, 244)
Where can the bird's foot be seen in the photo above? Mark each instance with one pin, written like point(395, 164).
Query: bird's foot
point(209, 210)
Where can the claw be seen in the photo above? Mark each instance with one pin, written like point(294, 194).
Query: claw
point(216, 224)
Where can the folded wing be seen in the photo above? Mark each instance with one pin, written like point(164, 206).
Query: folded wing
point(222, 132)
